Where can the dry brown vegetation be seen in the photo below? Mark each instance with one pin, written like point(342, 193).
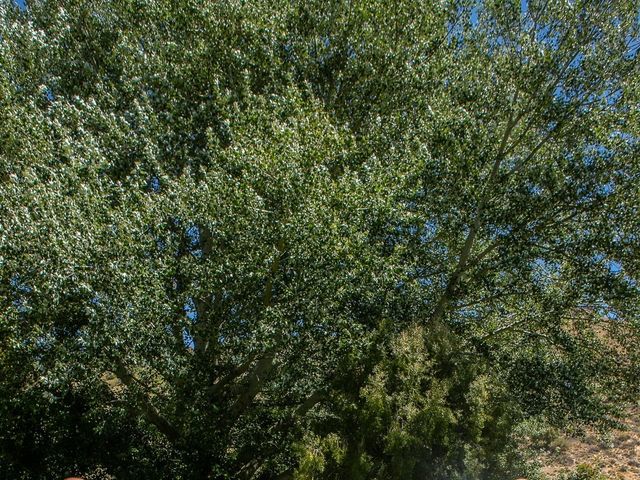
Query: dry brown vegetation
point(616, 454)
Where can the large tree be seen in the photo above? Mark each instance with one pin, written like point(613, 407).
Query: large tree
point(343, 239)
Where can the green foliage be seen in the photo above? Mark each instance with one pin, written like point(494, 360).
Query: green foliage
point(318, 455)
point(313, 239)
point(585, 472)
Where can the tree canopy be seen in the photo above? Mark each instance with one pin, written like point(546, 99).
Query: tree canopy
point(316, 239)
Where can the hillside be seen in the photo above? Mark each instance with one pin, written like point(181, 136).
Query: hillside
point(616, 454)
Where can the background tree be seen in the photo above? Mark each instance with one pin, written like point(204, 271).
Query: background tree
point(313, 239)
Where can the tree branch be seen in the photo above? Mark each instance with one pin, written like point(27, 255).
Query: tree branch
point(203, 305)
point(273, 270)
point(236, 372)
point(256, 381)
point(311, 401)
point(144, 405)
point(452, 284)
